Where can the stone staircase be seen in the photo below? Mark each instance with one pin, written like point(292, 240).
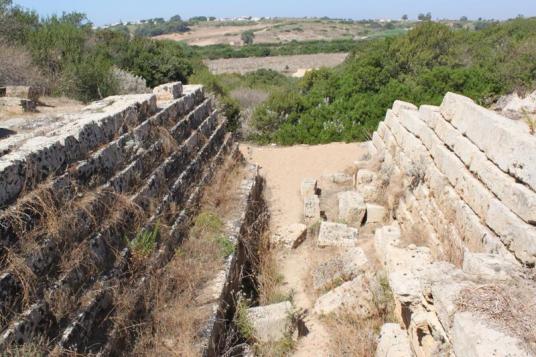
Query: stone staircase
point(76, 197)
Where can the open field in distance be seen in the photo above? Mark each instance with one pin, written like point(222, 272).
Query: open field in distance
point(283, 64)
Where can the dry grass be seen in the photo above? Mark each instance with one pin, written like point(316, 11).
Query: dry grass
point(511, 307)
point(530, 119)
point(416, 234)
point(352, 335)
point(269, 279)
point(391, 190)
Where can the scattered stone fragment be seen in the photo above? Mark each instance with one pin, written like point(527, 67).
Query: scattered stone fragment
point(489, 266)
point(340, 178)
point(472, 336)
point(311, 208)
point(339, 269)
point(352, 207)
point(354, 295)
point(365, 176)
point(168, 91)
point(337, 235)
point(393, 342)
point(308, 187)
point(291, 236)
point(375, 213)
point(270, 323)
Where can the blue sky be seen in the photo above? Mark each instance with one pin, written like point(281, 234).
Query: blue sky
point(109, 11)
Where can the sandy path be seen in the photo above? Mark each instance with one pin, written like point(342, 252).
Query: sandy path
point(284, 169)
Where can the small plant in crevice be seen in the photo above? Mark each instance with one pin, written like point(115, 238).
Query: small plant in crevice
point(145, 241)
point(242, 320)
point(226, 246)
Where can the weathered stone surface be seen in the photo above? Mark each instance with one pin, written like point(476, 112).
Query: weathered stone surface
point(369, 192)
point(365, 177)
point(352, 207)
point(489, 266)
point(471, 336)
point(270, 323)
point(427, 336)
point(337, 235)
point(339, 178)
point(308, 187)
point(291, 236)
point(354, 295)
point(393, 342)
point(17, 105)
point(384, 239)
point(311, 208)
point(375, 213)
point(516, 153)
point(168, 91)
point(399, 105)
point(24, 92)
point(343, 267)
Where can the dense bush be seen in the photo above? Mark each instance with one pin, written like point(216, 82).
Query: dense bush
point(156, 27)
point(277, 49)
point(78, 61)
point(346, 103)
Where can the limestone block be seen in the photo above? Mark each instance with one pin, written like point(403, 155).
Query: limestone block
point(336, 235)
point(369, 192)
point(365, 177)
point(393, 342)
point(385, 238)
point(270, 323)
point(311, 208)
point(308, 187)
point(472, 336)
point(352, 207)
point(489, 266)
point(354, 295)
point(399, 105)
point(17, 105)
point(375, 213)
point(343, 267)
point(446, 295)
point(168, 91)
point(515, 155)
point(427, 336)
point(291, 236)
point(406, 287)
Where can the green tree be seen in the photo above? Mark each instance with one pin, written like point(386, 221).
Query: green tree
point(248, 37)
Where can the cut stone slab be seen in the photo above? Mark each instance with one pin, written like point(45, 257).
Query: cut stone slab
point(375, 213)
point(473, 337)
point(354, 295)
point(291, 236)
point(427, 336)
point(24, 92)
point(270, 323)
point(352, 207)
point(365, 177)
point(385, 238)
point(337, 235)
point(393, 342)
point(489, 266)
point(341, 268)
point(168, 91)
point(308, 187)
point(17, 105)
point(311, 208)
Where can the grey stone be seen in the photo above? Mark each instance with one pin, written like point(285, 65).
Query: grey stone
point(345, 266)
point(352, 207)
point(337, 235)
point(393, 342)
point(272, 322)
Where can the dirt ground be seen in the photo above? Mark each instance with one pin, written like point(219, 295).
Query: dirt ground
point(291, 65)
point(284, 168)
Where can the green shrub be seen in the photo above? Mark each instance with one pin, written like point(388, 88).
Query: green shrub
point(145, 241)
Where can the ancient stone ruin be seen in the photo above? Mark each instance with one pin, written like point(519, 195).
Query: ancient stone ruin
point(446, 197)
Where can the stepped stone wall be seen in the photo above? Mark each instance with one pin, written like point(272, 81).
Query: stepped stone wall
point(470, 176)
point(75, 192)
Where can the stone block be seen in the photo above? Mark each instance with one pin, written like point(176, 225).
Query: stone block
point(352, 207)
point(365, 177)
point(17, 105)
point(353, 295)
point(337, 235)
point(384, 239)
point(308, 187)
point(24, 92)
point(311, 208)
point(339, 178)
point(489, 266)
point(515, 155)
point(393, 342)
point(375, 213)
point(472, 336)
point(168, 91)
point(399, 105)
point(270, 323)
point(341, 268)
point(291, 236)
